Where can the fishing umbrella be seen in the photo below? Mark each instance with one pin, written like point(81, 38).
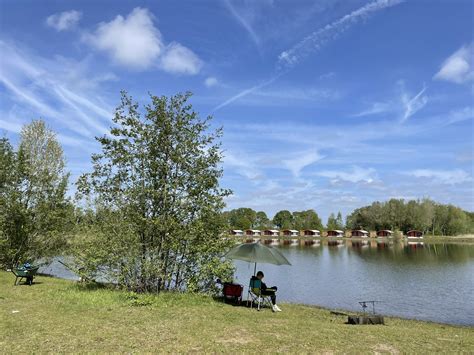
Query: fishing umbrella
point(257, 253)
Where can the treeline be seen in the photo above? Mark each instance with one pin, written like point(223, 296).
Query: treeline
point(396, 214)
point(424, 215)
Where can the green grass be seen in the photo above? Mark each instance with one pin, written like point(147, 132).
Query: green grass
point(60, 316)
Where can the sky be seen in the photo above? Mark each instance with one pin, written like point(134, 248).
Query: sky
point(325, 105)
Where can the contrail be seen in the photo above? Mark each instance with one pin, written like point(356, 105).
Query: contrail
point(317, 39)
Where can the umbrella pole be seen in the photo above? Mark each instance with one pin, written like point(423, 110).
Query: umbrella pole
point(255, 269)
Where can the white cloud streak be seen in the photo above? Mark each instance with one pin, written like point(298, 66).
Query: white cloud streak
point(244, 93)
point(448, 177)
point(317, 39)
point(243, 22)
point(413, 104)
point(302, 160)
point(356, 175)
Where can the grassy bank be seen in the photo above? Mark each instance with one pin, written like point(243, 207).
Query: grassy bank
point(58, 315)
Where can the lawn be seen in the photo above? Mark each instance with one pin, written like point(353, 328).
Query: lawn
point(61, 316)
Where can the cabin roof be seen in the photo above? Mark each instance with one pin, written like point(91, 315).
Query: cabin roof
point(336, 230)
point(359, 230)
point(311, 230)
point(385, 230)
point(253, 230)
point(271, 230)
point(237, 231)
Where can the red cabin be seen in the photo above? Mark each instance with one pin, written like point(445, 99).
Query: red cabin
point(335, 233)
point(384, 233)
point(414, 234)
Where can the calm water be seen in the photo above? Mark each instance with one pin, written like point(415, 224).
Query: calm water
point(432, 282)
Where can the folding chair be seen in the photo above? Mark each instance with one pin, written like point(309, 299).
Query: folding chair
point(255, 295)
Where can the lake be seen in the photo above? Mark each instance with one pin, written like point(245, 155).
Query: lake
point(433, 282)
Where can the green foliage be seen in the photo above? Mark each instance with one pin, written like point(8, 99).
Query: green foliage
point(155, 201)
point(306, 220)
point(35, 215)
point(424, 215)
point(283, 219)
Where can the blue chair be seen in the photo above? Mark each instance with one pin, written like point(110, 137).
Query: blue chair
point(255, 295)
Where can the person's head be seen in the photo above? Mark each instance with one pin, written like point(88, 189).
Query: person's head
point(260, 275)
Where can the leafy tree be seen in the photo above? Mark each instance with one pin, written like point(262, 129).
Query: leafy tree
point(332, 223)
point(306, 220)
point(157, 201)
point(339, 222)
point(35, 215)
point(262, 221)
point(283, 219)
point(242, 218)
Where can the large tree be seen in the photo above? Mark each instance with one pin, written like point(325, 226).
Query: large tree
point(155, 192)
point(308, 219)
point(35, 214)
point(283, 219)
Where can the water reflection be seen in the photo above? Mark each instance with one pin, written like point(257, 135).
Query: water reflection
point(414, 280)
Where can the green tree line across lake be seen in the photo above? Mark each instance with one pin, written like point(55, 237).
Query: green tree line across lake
point(395, 214)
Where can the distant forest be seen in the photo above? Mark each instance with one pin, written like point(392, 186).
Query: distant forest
point(396, 214)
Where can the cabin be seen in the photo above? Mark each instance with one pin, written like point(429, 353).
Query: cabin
point(290, 232)
point(271, 232)
point(359, 233)
point(252, 232)
point(311, 233)
point(414, 234)
point(384, 233)
point(236, 232)
point(336, 233)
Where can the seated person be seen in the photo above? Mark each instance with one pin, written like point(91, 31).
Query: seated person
point(267, 291)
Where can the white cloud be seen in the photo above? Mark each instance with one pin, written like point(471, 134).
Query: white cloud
point(181, 60)
point(357, 174)
point(302, 160)
point(135, 42)
point(413, 104)
point(211, 81)
point(459, 67)
point(449, 177)
point(317, 39)
point(64, 21)
point(132, 41)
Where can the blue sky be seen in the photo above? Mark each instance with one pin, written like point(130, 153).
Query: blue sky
point(327, 105)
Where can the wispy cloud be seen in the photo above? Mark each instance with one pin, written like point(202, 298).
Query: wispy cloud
point(413, 104)
point(244, 93)
point(403, 105)
point(375, 109)
point(317, 39)
point(449, 177)
point(357, 174)
point(243, 22)
point(32, 82)
point(64, 21)
point(302, 160)
point(459, 67)
point(211, 81)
